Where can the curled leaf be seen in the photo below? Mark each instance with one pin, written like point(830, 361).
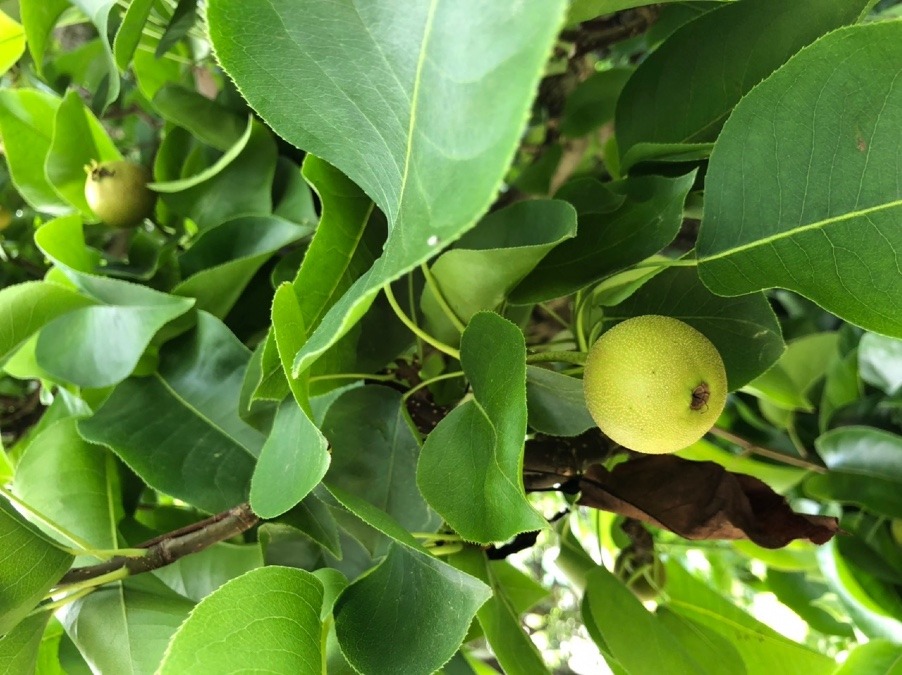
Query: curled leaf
point(700, 500)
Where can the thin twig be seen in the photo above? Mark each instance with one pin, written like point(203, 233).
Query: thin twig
point(169, 547)
point(766, 452)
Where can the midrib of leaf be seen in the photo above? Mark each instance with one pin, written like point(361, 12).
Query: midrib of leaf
point(200, 415)
point(803, 228)
point(415, 100)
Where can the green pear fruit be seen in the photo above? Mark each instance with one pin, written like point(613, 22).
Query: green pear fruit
point(654, 384)
point(117, 192)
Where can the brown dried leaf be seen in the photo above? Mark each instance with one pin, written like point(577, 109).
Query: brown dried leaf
point(700, 500)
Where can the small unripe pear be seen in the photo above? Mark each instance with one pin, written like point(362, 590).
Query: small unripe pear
point(654, 384)
point(117, 192)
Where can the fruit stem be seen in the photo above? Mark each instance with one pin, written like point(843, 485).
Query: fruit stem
point(579, 358)
point(416, 330)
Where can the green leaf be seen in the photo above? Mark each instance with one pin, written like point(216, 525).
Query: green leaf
point(516, 653)
point(26, 128)
point(73, 483)
point(470, 469)
point(30, 565)
point(26, 307)
point(292, 462)
point(868, 615)
point(339, 253)
point(237, 183)
point(744, 330)
point(556, 403)
point(124, 628)
point(197, 575)
point(129, 34)
point(880, 362)
point(39, 17)
point(714, 652)
point(804, 362)
point(762, 649)
point(592, 103)
point(12, 42)
point(19, 647)
point(620, 224)
point(111, 339)
point(78, 139)
point(798, 592)
point(635, 637)
point(223, 260)
point(865, 469)
point(583, 10)
point(425, 602)
point(491, 259)
point(780, 477)
point(374, 418)
point(208, 121)
point(430, 114)
point(877, 657)
point(98, 12)
point(280, 630)
point(822, 187)
point(725, 61)
point(192, 399)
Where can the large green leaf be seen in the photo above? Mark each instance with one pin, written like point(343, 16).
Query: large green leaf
point(124, 627)
point(78, 139)
point(424, 601)
point(801, 191)
point(279, 630)
point(620, 224)
point(375, 452)
point(26, 128)
point(73, 483)
point(471, 466)
point(430, 113)
point(491, 259)
point(30, 565)
point(179, 429)
point(701, 71)
point(744, 330)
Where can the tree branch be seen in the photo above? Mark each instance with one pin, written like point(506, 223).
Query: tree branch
point(168, 548)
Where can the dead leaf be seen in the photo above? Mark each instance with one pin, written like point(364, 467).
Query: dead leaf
point(700, 500)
